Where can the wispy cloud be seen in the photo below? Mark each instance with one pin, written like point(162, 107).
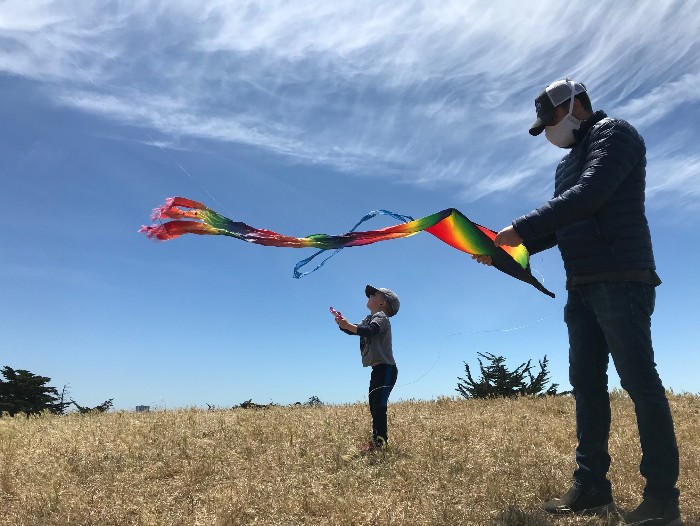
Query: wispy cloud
point(662, 101)
point(428, 92)
point(678, 175)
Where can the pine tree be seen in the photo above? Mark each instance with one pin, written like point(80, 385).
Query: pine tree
point(25, 392)
point(497, 381)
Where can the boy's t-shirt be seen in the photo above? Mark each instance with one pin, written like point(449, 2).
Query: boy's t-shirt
point(375, 340)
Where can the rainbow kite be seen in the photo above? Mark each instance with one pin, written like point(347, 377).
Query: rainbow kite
point(450, 226)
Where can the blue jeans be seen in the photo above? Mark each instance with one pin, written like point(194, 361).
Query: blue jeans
point(382, 381)
point(613, 318)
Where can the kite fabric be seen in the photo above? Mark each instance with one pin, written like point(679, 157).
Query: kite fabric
point(450, 226)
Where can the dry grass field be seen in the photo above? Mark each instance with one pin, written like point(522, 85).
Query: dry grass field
point(450, 462)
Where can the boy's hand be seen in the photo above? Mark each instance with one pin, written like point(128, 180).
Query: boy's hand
point(345, 324)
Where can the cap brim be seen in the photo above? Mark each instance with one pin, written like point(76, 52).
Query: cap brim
point(369, 290)
point(537, 127)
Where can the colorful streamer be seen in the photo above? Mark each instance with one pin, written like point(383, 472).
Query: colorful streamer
point(450, 226)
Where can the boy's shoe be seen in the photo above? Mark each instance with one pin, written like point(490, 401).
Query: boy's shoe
point(580, 503)
point(369, 447)
point(652, 512)
point(373, 445)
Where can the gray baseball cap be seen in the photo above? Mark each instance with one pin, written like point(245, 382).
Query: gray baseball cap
point(391, 298)
point(551, 97)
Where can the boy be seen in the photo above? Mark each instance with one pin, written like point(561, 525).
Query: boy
point(375, 347)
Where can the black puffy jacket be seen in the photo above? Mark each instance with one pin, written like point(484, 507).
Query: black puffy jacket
point(596, 216)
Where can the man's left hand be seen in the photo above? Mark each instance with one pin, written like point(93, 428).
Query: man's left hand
point(508, 237)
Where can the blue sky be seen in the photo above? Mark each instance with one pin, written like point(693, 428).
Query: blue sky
point(301, 117)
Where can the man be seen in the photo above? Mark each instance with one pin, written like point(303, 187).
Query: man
point(597, 220)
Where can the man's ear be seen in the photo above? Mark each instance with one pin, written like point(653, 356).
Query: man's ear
point(579, 111)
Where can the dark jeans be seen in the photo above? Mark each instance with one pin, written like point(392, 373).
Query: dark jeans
point(381, 383)
point(614, 318)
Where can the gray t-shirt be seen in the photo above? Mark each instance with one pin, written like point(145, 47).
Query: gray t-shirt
point(375, 340)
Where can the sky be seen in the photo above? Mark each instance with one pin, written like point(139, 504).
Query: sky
point(301, 117)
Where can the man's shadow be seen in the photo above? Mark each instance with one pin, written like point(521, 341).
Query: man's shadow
point(516, 516)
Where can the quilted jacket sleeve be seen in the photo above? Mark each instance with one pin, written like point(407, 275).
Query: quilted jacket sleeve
point(604, 158)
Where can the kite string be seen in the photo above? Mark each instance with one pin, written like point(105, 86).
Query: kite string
point(153, 142)
point(442, 344)
point(183, 170)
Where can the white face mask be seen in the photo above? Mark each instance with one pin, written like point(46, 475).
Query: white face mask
point(562, 133)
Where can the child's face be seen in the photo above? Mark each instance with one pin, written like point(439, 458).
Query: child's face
point(376, 302)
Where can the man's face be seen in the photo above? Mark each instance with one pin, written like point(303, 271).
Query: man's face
point(559, 113)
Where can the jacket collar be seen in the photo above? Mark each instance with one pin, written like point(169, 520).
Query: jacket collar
point(588, 124)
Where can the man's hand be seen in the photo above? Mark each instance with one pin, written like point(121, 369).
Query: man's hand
point(484, 260)
point(508, 237)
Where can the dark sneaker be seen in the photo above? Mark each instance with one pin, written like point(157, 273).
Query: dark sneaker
point(652, 512)
point(580, 503)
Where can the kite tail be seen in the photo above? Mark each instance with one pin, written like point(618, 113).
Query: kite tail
point(297, 268)
point(173, 229)
point(171, 210)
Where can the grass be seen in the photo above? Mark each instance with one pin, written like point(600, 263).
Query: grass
point(450, 462)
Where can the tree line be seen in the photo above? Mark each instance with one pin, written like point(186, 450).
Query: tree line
point(24, 392)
